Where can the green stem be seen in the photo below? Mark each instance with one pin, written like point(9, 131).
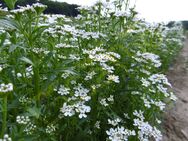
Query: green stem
point(4, 112)
point(36, 84)
point(99, 17)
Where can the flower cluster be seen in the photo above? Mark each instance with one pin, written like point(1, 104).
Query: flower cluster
point(146, 131)
point(22, 120)
point(89, 76)
point(6, 138)
point(79, 99)
point(119, 134)
point(50, 129)
point(4, 88)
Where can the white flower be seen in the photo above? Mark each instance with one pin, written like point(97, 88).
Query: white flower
point(6, 88)
point(97, 124)
point(19, 75)
point(113, 78)
point(63, 90)
point(22, 120)
point(145, 82)
point(111, 98)
point(146, 102)
point(173, 97)
point(82, 109)
point(89, 75)
point(67, 110)
point(119, 134)
point(148, 58)
point(145, 131)
point(114, 122)
point(159, 78)
point(1, 68)
point(74, 57)
point(81, 92)
point(50, 128)
point(30, 127)
point(103, 102)
point(6, 138)
point(108, 68)
point(159, 104)
point(29, 71)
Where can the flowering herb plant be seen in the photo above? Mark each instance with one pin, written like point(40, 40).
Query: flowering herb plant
point(98, 76)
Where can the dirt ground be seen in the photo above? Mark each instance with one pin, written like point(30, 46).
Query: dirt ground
point(176, 117)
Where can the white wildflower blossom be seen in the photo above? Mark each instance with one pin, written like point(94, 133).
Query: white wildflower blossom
point(135, 93)
point(108, 68)
point(110, 98)
point(22, 120)
point(82, 109)
point(29, 71)
point(81, 92)
point(6, 138)
point(126, 115)
point(90, 75)
point(30, 127)
point(74, 57)
point(103, 102)
point(146, 102)
point(113, 78)
point(1, 68)
point(159, 104)
point(50, 129)
point(114, 122)
point(159, 78)
point(39, 5)
point(65, 75)
point(158, 121)
point(145, 72)
point(97, 124)
point(139, 114)
point(173, 97)
point(73, 82)
point(63, 90)
point(3, 9)
point(19, 75)
point(119, 134)
point(77, 103)
point(23, 9)
point(67, 110)
point(4, 88)
point(61, 45)
point(99, 55)
point(145, 57)
point(145, 131)
point(24, 100)
point(96, 86)
point(145, 82)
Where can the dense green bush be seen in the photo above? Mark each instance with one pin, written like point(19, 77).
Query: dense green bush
point(94, 77)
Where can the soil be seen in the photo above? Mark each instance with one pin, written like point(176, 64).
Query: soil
point(176, 116)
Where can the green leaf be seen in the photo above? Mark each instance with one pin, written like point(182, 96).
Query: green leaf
point(12, 48)
point(27, 60)
point(7, 23)
point(34, 111)
point(10, 3)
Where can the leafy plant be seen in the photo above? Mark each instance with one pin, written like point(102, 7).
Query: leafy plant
point(97, 76)
point(10, 3)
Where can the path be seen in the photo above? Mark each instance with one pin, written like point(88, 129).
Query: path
point(176, 118)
